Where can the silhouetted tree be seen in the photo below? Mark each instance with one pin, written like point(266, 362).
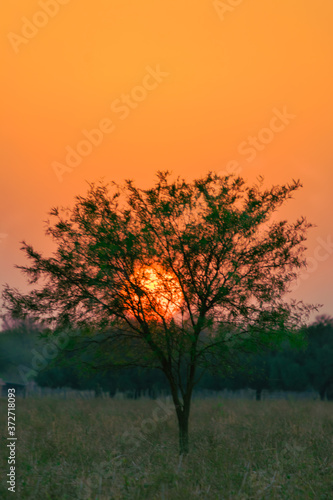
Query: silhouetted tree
point(188, 273)
point(18, 338)
point(319, 356)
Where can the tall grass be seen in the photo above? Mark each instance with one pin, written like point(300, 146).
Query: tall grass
point(239, 449)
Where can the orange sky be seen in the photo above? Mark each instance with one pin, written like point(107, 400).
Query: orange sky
point(225, 70)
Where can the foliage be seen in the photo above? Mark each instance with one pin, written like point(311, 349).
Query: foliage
point(218, 259)
point(319, 362)
point(17, 340)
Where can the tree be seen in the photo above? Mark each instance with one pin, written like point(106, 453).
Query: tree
point(319, 356)
point(287, 373)
point(17, 341)
point(258, 374)
point(188, 274)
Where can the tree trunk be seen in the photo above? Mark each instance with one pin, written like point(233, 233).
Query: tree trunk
point(182, 408)
point(329, 392)
point(322, 392)
point(183, 418)
point(98, 391)
point(258, 394)
point(183, 413)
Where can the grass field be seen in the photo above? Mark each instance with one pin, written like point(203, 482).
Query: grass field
point(239, 449)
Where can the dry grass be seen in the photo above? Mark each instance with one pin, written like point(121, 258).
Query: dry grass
point(239, 449)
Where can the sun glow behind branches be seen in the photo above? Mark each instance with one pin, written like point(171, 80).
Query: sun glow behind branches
point(158, 293)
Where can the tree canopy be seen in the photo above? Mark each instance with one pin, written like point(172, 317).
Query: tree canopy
point(187, 273)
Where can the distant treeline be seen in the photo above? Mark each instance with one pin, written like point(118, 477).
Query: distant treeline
point(289, 369)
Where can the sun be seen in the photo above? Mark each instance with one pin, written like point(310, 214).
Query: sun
point(158, 293)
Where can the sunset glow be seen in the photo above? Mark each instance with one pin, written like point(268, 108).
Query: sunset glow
point(161, 294)
point(119, 90)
